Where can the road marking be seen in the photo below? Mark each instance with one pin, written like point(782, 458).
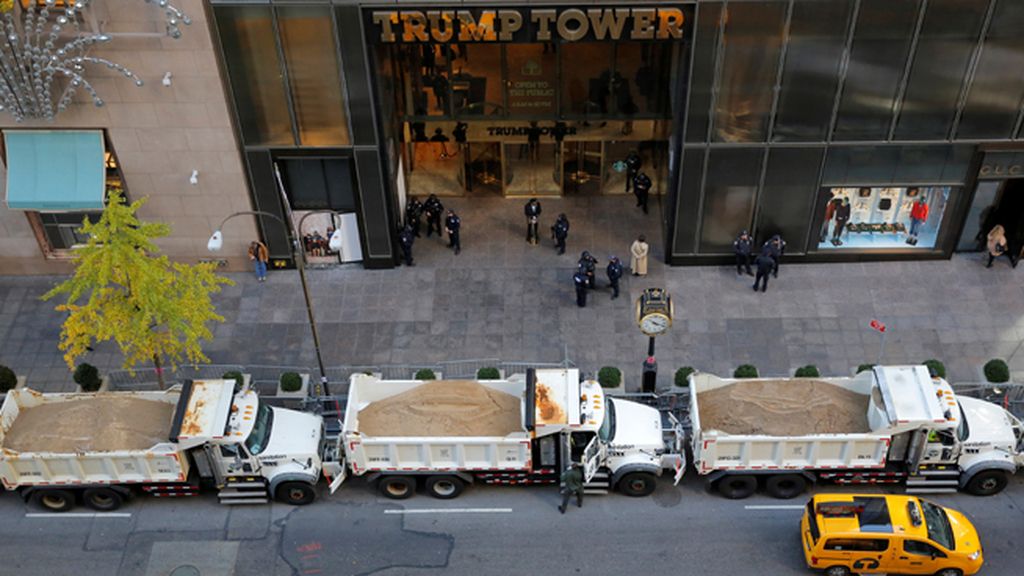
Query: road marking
point(774, 507)
point(450, 511)
point(78, 515)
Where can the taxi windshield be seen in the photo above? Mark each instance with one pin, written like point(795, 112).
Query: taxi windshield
point(937, 522)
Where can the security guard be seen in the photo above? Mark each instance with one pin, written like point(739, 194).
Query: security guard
point(433, 208)
point(560, 231)
point(588, 264)
point(633, 164)
point(405, 240)
point(452, 224)
point(642, 189)
point(614, 271)
point(579, 280)
point(742, 247)
point(413, 210)
point(532, 212)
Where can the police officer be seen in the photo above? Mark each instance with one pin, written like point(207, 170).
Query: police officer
point(452, 224)
point(579, 280)
point(642, 189)
point(588, 264)
point(614, 271)
point(742, 247)
point(434, 209)
point(633, 164)
point(560, 231)
point(775, 247)
point(405, 240)
point(765, 264)
point(532, 212)
point(413, 210)
point(572, 484)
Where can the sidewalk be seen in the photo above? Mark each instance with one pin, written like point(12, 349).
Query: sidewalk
point(502, 298)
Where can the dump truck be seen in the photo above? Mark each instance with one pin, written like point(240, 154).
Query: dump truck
point(446, 435)
point(101, 449)
point(889, 425)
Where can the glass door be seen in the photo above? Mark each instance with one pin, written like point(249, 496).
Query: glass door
point(531, 170)
point(483, 168)
point(581, 166)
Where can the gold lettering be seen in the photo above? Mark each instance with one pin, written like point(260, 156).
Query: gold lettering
point(385, 20)
point(511, 20)
point(670, 23)
point(603, 21)
point(573, 34)
point(438, 32)
point(414, 26)
point(472, 31)
point(1014, 169)
point(643, 24)
point(543, 20)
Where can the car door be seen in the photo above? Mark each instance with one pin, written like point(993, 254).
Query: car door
point(919, 557)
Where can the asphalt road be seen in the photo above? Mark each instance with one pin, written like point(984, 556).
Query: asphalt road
point(486, 531)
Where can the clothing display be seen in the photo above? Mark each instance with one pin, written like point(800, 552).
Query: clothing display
point(881, 217)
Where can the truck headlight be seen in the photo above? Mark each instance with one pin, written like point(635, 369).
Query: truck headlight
point(974, 556)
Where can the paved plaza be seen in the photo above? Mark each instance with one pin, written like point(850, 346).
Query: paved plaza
point(502, 298)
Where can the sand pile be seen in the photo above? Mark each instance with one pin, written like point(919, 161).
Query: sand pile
point(443, 408)
point(98, 424)
point(783, 408)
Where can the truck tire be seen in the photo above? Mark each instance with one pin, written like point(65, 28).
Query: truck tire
point(444, 487)
point(397, 487)
point(737, 487)
point(295, 493)
point(637, 484)
point(987, 483)
point(102, 499)
point(785, 486)
point(54, 500)
point(837, 571)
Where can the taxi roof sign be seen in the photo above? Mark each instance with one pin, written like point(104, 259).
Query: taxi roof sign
point(839, 509)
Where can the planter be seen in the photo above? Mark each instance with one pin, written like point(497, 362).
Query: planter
point(984, 379)
point(104, 387)
point(302, 392)
point(437, 375)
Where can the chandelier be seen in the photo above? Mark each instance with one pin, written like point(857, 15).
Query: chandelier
point(44, 53)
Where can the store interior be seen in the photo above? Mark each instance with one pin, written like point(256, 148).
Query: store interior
point(882, 217)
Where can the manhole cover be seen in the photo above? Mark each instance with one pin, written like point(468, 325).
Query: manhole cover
point(186, 570)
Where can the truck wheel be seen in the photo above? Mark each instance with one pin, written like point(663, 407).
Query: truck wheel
point(397, 487)
point(637, 484)
point(987, 483)
point(785, 486)
point(103, 499)
point(54, 500)
point(837, 571)
point(295, 493)
point(444, 487)
point(737, 487)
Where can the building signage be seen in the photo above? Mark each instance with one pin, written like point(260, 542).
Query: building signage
point(527, 24)
point(999, 165)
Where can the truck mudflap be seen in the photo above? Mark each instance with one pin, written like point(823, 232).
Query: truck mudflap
point(335, 473)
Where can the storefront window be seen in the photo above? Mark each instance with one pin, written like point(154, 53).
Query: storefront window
point(995, 96)
point(532, 79)
point(876, 217)
point(425, 84)
point(589, 85)
point(651, 68)
point(476, 79)
point(702, 72)
point(732, 177)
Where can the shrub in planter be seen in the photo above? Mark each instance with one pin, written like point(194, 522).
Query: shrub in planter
point(809, 371)
point(683, 375)
point(291, 382)
point(935, 368)
point(425, 374)
point(88, 377)
point(609, 377)
point(745, 371)
point(997, 371)
point(488, 373)
point(236, 376)
point(864, 368)
point(8, 380)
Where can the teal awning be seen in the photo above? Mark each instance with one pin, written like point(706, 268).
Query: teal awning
point(55, 171)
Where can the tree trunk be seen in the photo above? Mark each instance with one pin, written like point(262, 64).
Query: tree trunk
point(159, 371)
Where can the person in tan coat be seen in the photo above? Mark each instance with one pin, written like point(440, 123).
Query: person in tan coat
point(638, 256)
point(997, 245)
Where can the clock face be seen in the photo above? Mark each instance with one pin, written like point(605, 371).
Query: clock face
point(652, 324)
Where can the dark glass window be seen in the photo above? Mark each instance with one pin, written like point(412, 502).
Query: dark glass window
point(250, 53)
point(533, 78)
point(817, 38)
point(476, 79)
point(729, 189)
point(688, 200)
point(753, 40)
point(702, 74)
point(877, 58)
point(995, 95)
point(651, 69)
point(319, 183)
point(589, 85)
point(789, 188)
point(948, 37)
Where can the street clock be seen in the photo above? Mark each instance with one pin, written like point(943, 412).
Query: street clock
point(654, 312)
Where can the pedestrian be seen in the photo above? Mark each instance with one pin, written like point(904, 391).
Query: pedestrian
point(642, 189)
point(633, 164)
point(413, 210)
point(560, 231)
point(579, 280)
point(588, 265)
point(742, 247)
point(452, 224)
point(572, 484)
point(638, 256)
point(532, 212)
point(775, 247)
point(405, 240)
point(765, 264)
point(842, 216)
point(614, 271)
point(433, 209)
point(259, 255)
point(997, 246)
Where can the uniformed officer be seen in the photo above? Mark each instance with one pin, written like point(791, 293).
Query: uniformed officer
point(614, 271)
point(633, 164)
point(452, 224)
point(775, 247)
point(413, 210)
point(765, 264)
point(572, 484)
point(742, 247)
point(532, 212)
point(579, 280)
point(588, 264)
point(433, 209)
point(642, 189)
point(560, 231)
point(405, 240)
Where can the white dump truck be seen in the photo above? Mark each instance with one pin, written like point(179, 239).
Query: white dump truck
point(101, 449)
point(892, 424)
point(445, 435)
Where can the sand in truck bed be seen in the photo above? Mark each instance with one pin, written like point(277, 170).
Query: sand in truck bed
point(101, 423)
point(783, 408)
point(443, 408)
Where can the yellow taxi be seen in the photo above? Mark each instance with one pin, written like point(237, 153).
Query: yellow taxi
point(845, 534)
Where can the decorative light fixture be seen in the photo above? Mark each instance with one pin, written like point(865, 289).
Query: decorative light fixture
point(42, 62)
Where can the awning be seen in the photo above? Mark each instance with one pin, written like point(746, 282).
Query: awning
point(55, 171)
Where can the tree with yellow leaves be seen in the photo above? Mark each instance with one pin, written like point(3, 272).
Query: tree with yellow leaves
point(124, 290)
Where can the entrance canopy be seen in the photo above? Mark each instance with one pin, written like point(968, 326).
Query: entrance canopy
point(55, 171)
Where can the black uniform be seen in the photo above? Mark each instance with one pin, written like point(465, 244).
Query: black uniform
point(614, 271)
point(742, 248)
point(413, 210)
point(560, 231)
point(532, 212)
point(405, 240)
point(633, 164)
point(433, 209)
point(775, 247)
point(579, 279)
point(587, 265)
point(642, 188)
point(452, 224)
point(765, 264)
